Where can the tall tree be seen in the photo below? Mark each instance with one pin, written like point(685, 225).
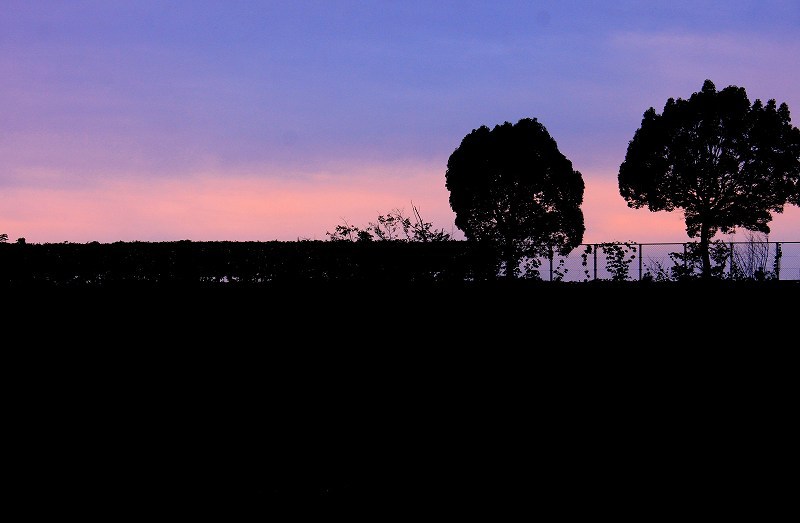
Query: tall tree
point(726, 162)
point(512, 188)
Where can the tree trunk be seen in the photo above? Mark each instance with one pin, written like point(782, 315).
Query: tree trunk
point(511, 264)
point(704, 251)
point(511, 260)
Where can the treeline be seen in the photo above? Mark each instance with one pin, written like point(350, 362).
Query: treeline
point(248, 263)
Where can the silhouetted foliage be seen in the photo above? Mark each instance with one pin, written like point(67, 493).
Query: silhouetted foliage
point(392, 226)
point(618, 256)
point(752, 261)
point(344, 266)
point(345, 232)
point(3, 238)
point(691, 262)
point(236, 264)
point(726, 162)
point(745, 261)
point(512, 188)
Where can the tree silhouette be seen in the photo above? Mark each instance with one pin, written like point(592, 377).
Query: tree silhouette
point(726, 162)
point(510, 187)
point(794, 197)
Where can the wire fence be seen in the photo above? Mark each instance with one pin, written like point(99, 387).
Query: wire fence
point(628, 261)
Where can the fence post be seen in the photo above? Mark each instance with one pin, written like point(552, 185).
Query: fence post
point(550, 249)
point(595, 261)
point(778, 260)
point(640, 261)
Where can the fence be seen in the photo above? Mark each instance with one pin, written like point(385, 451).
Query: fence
point(626, 261)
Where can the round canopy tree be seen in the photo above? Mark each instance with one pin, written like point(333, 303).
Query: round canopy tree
point(726, 162)
point(511, 188)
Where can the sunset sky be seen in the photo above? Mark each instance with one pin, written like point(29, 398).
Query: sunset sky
point(278, 120)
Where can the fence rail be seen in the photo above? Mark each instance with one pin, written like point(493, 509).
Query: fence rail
point(628, 261)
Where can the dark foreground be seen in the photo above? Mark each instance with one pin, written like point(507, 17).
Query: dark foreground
point(370, 402)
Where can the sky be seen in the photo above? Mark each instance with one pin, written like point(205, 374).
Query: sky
point(279, 120)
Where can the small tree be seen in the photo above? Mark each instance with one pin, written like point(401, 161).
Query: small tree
point(726, 162)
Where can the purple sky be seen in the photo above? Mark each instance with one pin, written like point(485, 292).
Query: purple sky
point(264, 120)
